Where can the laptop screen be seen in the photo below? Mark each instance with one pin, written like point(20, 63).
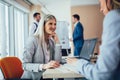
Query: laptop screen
point(88, 48)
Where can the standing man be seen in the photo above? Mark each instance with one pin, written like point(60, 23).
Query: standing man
point(78, 38)
point(34, 25)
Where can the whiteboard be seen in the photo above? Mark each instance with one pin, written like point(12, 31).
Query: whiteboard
point(63, 33)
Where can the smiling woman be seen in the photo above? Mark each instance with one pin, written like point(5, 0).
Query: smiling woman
point(42, 51)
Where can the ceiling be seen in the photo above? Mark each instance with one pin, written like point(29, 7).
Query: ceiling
point(73, 2)
point(83, 2)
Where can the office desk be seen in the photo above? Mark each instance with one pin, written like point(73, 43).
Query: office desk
point(60, 73)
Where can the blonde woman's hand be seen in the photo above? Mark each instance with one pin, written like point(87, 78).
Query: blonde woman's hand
point(55, 37)
point(51, 64)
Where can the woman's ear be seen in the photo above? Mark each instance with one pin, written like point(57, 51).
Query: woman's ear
point(109, 4)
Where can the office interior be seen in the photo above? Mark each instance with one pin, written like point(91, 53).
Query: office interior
point(17, 15)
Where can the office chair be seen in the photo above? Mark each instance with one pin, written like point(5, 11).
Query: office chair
point(88, 48)
point(11, 67)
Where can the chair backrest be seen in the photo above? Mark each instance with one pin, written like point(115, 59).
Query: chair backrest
point(88, 48)
point(11, 67)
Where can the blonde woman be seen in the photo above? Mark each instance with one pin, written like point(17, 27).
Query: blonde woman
point(42, 51)
point(107, 66)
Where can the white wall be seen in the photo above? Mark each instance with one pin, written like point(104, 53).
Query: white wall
point(62, 11)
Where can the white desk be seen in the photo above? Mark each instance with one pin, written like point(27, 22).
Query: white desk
point(60, 73)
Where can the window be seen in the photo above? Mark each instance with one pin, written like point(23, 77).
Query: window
point(13, 30)
point(4, 32)
point(19, 32)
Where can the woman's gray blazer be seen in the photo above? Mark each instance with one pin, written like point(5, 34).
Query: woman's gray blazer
point(34, 55)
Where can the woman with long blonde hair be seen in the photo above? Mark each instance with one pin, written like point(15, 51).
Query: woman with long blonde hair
point(42, 51)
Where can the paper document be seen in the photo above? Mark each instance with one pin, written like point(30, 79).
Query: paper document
point(66, 68)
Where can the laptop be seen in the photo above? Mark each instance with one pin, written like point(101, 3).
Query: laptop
point(87, 50)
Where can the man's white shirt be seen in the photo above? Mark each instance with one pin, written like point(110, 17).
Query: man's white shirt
point(33, 27)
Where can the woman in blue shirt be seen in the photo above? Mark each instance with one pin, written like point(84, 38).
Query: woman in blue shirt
point(107, 66)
